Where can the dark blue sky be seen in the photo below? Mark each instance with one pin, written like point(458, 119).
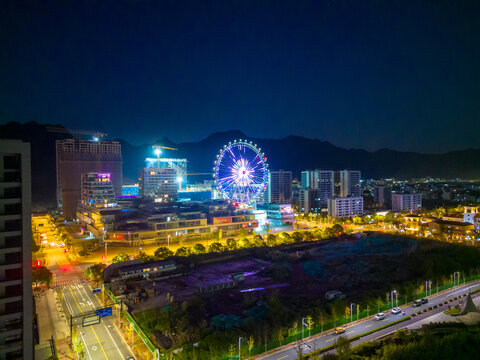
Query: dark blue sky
point(365, 74)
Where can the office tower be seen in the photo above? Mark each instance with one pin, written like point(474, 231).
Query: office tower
point(382, 196)
point(160, 183)
point(16, 305)
point(345, 207)
point(279, 187)
point(97, 190)
point(76, 157)
point(406, 202)
point(347, 183)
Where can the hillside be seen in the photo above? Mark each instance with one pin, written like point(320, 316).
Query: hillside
point(290, 153)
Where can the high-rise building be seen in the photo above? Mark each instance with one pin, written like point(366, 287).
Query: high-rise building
point(16, 305)
point(382, 196)
point(180, 166)
point(76, 157)
point(97, 190)
point(159, 183)
point(406, 202)
point(319, 184)
point(348, 183)
point(345, 206)
point(279, 187)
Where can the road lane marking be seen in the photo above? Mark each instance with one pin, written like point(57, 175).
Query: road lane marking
point(99, 343)
point(85, 343)
point(283, 357)
point(329, 340)
point(369, 325)
point(349, 332)
point(114, 343)
point(75, 300)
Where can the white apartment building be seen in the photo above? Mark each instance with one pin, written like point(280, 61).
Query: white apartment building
point(345, 207)
point(406, 202)
point(160, 183)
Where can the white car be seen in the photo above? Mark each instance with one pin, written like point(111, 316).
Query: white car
point(396, 311)
point(380, 316)
point(305, 346)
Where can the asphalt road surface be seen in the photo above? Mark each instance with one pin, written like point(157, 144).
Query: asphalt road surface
point(318, 342)
point(102, 341)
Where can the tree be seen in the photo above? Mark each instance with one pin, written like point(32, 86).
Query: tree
point(215, 247)
point(390, 217)
point(231, 244)
point(120, 257)
point(357, 220)
point(95, 272)
point(343, 348)
point(337, 229)
point(217, 235)
point(79, 348)
point(268, 228)
point(41, 275)
point(307, 236)
point(297, 236)
point(145, 257)
point(271, 240)
point(242, 234)
point(163, 253)
point(182, 251)
point(244, 243)
point(258, 241)
point(35, 247)
point(285, 238)
point(251, 342)
point(198, 249)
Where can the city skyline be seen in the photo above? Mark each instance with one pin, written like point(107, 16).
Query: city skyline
point(376, 71)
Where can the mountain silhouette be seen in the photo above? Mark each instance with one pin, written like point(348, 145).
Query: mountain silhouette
point(293, 153)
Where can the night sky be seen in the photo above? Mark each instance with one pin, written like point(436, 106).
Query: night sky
point(364, 74)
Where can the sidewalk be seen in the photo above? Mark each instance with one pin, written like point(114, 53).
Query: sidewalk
point(51, 320)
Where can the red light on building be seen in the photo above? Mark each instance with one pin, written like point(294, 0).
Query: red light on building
point(339, 233)
point(38, 263)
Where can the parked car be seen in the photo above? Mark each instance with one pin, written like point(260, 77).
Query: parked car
point(339, 330)
point(380, 316)
point(396, 310)
point(420, 302)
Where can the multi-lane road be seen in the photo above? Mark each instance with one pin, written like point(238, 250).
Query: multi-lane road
point(320, 341)
point(102, 341)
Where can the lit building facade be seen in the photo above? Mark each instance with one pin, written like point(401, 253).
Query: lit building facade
point(159, 183)
point(180, 166)
point(16, 300)
point(348, 183)
point(406, 202)
point(382, 196)
point(97, 190)
point(279, 187)
point(317, 188)
point(345, 206)
point(76, 157)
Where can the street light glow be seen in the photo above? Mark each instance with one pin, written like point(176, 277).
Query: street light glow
point(157, 152)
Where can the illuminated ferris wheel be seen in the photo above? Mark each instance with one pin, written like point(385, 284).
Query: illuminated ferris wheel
point(241, 171)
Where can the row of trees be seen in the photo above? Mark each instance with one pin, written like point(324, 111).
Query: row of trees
point(243, 242)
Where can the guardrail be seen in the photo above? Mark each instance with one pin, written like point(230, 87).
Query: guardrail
point(296, 335)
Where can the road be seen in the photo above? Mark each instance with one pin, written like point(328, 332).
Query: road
point(102, 341)
point(320, 341)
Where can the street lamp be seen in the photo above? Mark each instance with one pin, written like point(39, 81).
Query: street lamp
point(351, 311)
point(239, 346)
point(305, 324)
point(396, 296)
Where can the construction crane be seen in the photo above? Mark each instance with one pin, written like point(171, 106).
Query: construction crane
point(95, 134)
point(157, 151)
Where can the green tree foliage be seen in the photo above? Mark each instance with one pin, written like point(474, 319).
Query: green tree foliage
point(231, 244)
point(258, 240)
point(215, 247)
point(163, 253)
point(307, 236)
point(183, 251)
point(35, 247)
point(145, 257)
point(95, 272)
point(271, 240)
point(337, 229)
point(343, 348)
point(41, 275)
point(120, 257)
point(297, 236)
point(199, 249)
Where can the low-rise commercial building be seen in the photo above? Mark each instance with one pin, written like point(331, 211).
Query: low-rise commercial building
point(452, 230)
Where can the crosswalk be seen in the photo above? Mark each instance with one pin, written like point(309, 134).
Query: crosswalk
point(68, 282)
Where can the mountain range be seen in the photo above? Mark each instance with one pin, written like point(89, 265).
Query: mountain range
point(293, 153)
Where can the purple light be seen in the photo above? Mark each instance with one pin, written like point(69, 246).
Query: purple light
point(103, 175)
point(253, 289)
